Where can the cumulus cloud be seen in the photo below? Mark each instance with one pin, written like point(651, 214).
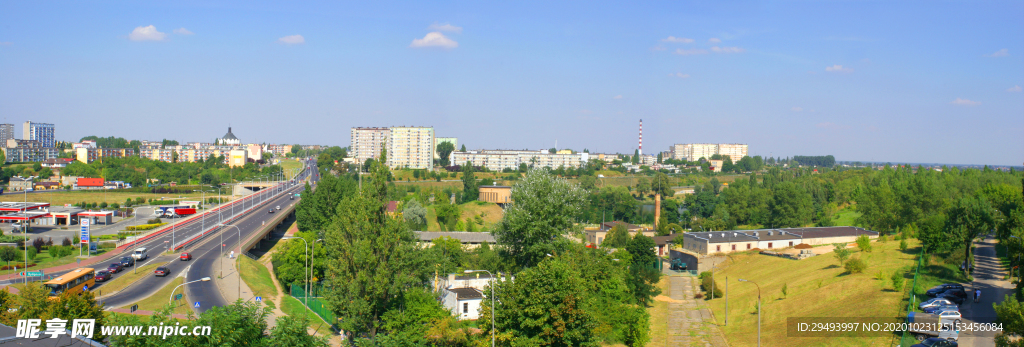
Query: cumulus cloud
point(617, 97)
point(715, 40)
point(147, 33)
point(674, 39)
point(691, 51)
point(838, 68)
point(679, 74)
point(1000, 53)
point(717, 49)
point(797, 109)
point(446, 27)
point(964, 102)
point(657, 48)
point(434, 39)
point(182, 31)
point(292, 40)
point(1014, 89)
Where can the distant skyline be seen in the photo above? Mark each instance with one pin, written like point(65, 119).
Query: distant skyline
point(870, 81)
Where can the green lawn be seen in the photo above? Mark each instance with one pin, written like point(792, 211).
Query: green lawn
point(293, 307)
point(126, 277)
point(817, 287)
point(846, 217)
point(659, 317)
point(161, 298)
point(43, 260)
point(257, 277)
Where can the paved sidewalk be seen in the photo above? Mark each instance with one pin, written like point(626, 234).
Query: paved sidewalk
point(231, 286)
point(144, 313)
point(988, 276)
point(690, 322)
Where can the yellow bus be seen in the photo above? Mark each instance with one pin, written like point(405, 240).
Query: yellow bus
point(74, 281)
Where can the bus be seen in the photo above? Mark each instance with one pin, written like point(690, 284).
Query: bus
point(75, 281)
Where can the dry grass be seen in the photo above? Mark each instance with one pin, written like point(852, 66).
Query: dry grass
point(659, 317)
point(817, 288)
point(490, 212)
point(161, 298)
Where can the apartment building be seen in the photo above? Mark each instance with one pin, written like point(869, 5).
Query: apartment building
point(368, 142)
point(91, 154)
point(695, 151)
point(411, 147)
point(6, 132)
point(27, 151)
point(234, 155)
point(42, 132)
point(497, 160)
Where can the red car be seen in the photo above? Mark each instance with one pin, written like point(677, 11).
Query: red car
point(102, 276)
point(115, 268)
point(186, 256)
point(162, 271)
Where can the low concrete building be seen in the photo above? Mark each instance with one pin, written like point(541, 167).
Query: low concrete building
point(46, 185)
point(17, 184)
point(597, 236)
point(470, 240)
point(464, 303)
point(496, 194)
point(766, 239)
point(64, 215)
point(827, 235)
point(89, 183)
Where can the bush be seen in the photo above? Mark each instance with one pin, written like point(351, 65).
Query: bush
point(897, 281)
point(855, 265)
point(38, 244)
point(154, 221)
point(864, 243)
point(143, 227)
point(66, 242)
point(706, 285)
point(903, 245)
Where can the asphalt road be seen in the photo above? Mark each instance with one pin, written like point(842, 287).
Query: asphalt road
point(203, 252)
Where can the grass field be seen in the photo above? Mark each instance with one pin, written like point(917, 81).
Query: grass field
point(293, 307)
point(126, 277)
point(847, 217)
point(257, 277)
point(159, 299)
point(60, 198)
point(290, 165)
point(490, 212)
point(43, 260)
point(659, 317)
point(817, 287)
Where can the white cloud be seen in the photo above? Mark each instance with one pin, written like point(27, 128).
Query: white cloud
point(797, 109)
point(445, 27)
point(674, 39)
point(964, 102)
point(147, 33)
point(292, 40)
point(1014, 89)
point(657, 48)
point(617, 97)
point(679, 74)
point(691, 51)
point(838, 68)
point(715, 40)
point(434, 39)
point(182, 31)
point(717, 49)
point(1000, 53)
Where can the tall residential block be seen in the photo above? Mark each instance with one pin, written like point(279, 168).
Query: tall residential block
point(367, 143)
point(6, 132)
point(42, 132)
point(735, 151)
point(695, 151)
point(411, 147)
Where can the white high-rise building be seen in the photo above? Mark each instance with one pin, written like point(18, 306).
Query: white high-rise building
point(42, 132)
point(6, 132)
point(411, 147)
point(695, 151)
point(367, 143)
point(735, 151)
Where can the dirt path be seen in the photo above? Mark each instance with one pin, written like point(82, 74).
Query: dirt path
point(690, 322)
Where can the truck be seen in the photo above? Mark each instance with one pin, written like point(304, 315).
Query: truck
point(917, 320)
point(175, 211)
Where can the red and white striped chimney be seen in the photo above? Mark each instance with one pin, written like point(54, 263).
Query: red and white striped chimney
point(641, 143)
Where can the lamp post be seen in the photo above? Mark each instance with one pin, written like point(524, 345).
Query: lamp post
point(236, 259)
point(24, 227)
point(312, 253)
point(171, 299)
point(492, 301)
point(758, 310)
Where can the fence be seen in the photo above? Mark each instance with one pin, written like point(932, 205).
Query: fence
point(907, 338)
point(315, 302)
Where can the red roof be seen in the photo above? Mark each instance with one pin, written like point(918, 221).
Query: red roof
point(90, 182)
point(392, 206)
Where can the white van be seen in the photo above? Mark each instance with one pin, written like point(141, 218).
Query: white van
point(140, 253)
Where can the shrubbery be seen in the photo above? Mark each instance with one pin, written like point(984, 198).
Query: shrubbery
point(855, 265)
point(142, 227)
point(706, 284)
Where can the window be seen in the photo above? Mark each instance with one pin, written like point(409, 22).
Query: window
point(748, 246)
point(791, 243)
point(718, 248)
point(465, 307)
point(769, 245)
point(734, 247)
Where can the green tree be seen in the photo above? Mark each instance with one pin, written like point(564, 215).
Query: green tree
point(444, 149)
point(545, 209)
point(791, 206)
point(864, 243)
point(588, 182)
point(374, 258)
point(636, 157)
point(617, 237)
point(470, 190)
point(967, 219)
point(841, 253)
point(545, 306)
point(855, 265)
point(415, 214)
point(897, 280)
point(8, 254)
point(643, 185)
point(448, 214)
point(662, 184)
point(291, 331)
point(643, 271)
point(1010, 313)
point(463, 149)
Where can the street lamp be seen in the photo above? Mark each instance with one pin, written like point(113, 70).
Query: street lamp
point(24, 227)
point(492, 300)
point(171, 299)
point(304, 273)
point(312, 253)
point(236, 259)
point(758, 310)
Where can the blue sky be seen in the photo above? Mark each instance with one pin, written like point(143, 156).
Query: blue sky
point(883, 81)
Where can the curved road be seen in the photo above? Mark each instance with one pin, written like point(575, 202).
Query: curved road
point(205, 251)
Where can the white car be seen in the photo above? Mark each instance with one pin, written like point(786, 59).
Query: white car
point(935, 302)
point(949, 315)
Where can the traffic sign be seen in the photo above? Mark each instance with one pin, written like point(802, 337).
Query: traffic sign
point(177, 297)
point(32, 273)
point(259, 298)
point(196, 305)
point(135, 307)
point(85, 288)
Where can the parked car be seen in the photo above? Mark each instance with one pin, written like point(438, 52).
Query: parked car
point(935, 309)
point(949, 315)
point(185, 256)
point(939, 289)
point(102, 276)
point(956, 295)
point(115, 268)
point(127, 261)
point(935, 302)
point(162, 271)
point(936, 342)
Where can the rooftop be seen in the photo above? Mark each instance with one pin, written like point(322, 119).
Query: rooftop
point(463, 236)
point(229, 135)
point(467, 293)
